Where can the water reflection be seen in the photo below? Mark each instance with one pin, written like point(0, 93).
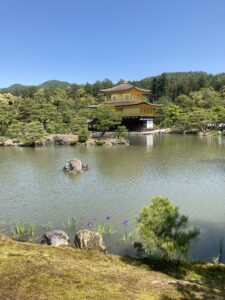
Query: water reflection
point(208, 244)
point(187, 169)
point(149, 141)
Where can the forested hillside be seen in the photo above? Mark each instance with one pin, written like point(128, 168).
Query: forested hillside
point(166, 86)
point(191, 100)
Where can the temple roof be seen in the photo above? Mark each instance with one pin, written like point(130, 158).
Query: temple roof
point(124, 87)
point(117, 104)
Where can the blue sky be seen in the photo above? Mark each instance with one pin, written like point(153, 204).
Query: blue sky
point(88, 40)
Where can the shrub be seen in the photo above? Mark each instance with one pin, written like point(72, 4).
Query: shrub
point(33, 131)
point(100, 142)
point(2, 139)
point(106, 118)
point(83, 134)
point(162, 229)
point(27, 133)
point(121, 131)
point(58, 127)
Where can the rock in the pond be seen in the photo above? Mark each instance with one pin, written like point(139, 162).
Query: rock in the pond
point(75, 166)
point(84, 167)
point(87, 239)
point(55, 238)
point(58, 140)
point(119, 141)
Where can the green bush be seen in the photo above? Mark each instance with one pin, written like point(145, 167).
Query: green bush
point(100, 142)
point(2, 139)
point(121, 131)
point(83, 134)
point(106, 118)
point(26, 133)
point(163, 229)
point(57, 127)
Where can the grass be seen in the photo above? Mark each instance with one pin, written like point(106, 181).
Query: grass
point(29, 271)
point(71, 224)
point(23, 232)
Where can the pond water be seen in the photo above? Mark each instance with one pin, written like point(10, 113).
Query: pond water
point(190, 170)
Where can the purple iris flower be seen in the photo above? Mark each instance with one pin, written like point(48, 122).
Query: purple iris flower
point(125, 222)
point(89, 224)
point(108, 218)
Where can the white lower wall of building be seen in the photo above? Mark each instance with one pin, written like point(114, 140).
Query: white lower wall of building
point(149, 124)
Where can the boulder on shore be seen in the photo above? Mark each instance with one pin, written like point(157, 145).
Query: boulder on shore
point(10, 142)
point(87, 239)
point(75, 166)
point(55, 238)
point(58, 139)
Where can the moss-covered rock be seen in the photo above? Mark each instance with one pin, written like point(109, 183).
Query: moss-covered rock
point(100, 142)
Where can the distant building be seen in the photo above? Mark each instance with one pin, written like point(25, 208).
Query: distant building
point(132, 103)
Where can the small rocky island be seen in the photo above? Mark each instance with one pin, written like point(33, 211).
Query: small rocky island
point(75, 166)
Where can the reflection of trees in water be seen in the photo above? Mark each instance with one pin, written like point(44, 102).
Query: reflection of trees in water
point(217, 164)
point(208, 282)
point(170, 155)
point(121, 161)
point(208, 245)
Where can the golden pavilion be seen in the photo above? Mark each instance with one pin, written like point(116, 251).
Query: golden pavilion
point(132, 103)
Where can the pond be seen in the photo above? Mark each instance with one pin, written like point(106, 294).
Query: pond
point(190, 170)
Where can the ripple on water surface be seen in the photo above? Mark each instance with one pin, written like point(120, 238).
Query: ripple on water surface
point(188, 169)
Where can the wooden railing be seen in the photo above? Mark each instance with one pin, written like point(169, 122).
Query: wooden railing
point(129, 113)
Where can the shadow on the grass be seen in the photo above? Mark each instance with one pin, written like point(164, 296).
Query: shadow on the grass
point(193, 280)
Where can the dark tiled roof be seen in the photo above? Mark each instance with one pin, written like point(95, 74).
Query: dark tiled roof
point(116, 104)
point(123, 87)
point(125, 103)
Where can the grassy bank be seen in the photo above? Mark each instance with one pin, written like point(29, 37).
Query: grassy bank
point(29, 271)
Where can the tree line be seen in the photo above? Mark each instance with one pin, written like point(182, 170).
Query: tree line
point(164, 87)
point(191, 100)
point(28, 118)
